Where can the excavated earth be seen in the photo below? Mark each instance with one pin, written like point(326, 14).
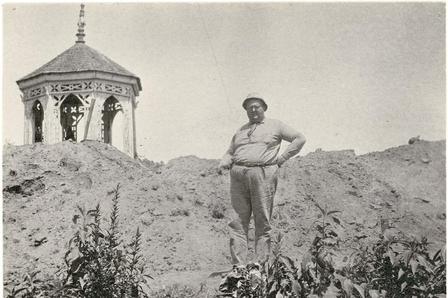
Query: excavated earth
point(182, 207)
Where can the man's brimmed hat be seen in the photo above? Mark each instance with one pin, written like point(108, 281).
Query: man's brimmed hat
point(257, 97)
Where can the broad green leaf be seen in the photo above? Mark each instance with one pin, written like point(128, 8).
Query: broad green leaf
point(400, 274)
point(421, 259)
point(273, 287)
point(421, 288)
point(414, 265)
point(403, 286)
point(279, 295)
point(407, 257)
point(347, 286)
point(296, 287)
point(374, 294)
point(391, 256)
point(360, 290)
point(82, 283)
point(288, 262)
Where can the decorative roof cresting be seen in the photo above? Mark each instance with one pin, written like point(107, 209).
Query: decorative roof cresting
point(81, 25)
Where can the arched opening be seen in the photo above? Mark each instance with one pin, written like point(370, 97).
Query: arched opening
point(38, 118)
point(71, 114)
point(112, 130)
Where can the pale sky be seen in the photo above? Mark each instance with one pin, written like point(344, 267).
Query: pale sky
point(357, 76)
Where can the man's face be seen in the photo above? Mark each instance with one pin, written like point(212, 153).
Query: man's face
point(255, 111)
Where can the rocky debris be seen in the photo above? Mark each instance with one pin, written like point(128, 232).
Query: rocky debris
point(183, 207)
point(26, 187)
point(413, 140)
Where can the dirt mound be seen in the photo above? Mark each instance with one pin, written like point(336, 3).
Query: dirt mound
point(183, 207)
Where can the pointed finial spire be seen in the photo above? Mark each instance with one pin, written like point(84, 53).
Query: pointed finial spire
point(81, 25)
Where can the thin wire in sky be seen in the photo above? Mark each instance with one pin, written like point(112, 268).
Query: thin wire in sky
point(215, 60)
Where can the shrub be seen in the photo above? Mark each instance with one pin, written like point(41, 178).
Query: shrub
point(317, 268)
point(281, 273)
point(244, 281)
point(97, 262)
point(395, 267)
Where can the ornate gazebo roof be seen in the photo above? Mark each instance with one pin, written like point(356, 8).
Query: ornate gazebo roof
point(80, 58)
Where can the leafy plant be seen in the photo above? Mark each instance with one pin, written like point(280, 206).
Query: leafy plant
point(317, 268)
point(274, 278)
point(28, 287)
point(279, 277)
point(243, 282)
point(394, 267)
point(281, 273)
point(97, 263)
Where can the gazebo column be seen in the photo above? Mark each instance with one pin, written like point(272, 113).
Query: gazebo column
point(50, 120)
point(28, 123)
point(133, 132)
point(53, 116)
point(48, 123)
point(56, 127)
point(94, 130)
point(128, 125)
point(82, 124)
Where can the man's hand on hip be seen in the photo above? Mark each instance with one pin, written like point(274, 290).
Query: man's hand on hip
point(223, 166)
point(280, 161)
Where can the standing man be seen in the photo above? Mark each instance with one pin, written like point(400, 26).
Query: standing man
point(254, 163)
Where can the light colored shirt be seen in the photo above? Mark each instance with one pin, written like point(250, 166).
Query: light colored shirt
point(259, 143)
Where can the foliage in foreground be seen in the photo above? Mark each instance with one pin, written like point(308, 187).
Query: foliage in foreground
point(97, 263)
point(394, 267)
point(391, 267)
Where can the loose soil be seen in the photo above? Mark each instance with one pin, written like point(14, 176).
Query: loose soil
point(183, 207)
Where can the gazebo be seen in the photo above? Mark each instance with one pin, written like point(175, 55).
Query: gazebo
point(81, 94)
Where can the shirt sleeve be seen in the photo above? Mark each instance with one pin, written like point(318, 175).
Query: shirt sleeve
point(296, 139)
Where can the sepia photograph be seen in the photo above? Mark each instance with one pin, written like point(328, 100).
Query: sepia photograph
point(224, 149)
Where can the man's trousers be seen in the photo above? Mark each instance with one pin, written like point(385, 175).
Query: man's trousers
point(252, 190)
